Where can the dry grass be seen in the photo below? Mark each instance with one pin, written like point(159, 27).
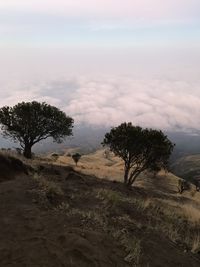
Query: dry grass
point(51, 188)
point(97, 164)
point(109, 197)
point(63, 207)
point(132, 246)
point(48, 190)
point(196, 244)
point(175, 216)
point(89, 218)
point(191, 212)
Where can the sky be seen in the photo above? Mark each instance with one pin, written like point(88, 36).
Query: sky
point(105, 61)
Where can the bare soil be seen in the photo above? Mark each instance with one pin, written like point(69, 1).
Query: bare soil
point(78, 228)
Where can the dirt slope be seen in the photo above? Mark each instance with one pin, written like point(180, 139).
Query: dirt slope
point(31, 236)
point(58, 217)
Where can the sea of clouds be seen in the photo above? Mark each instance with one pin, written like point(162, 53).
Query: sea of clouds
point(108, 101)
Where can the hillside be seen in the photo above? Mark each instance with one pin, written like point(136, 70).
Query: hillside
point(56, 215)
point(187, 167)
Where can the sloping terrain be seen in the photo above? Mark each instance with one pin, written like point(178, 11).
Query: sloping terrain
point(101, 163)
point(56, 216)
point(10, 166)
point(187, 167)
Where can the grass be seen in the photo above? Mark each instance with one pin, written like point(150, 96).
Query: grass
point(196, 243)
point(132, 246)
point(48, 190)
point(152, 209)
point(109, 197)
point(174, 216)
point(177, 221)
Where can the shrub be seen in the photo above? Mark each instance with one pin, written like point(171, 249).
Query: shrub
point(49, 189)
point(55, 156)
point(76, 157)
point(183, 186)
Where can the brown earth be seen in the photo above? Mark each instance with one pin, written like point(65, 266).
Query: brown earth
point(56, 216)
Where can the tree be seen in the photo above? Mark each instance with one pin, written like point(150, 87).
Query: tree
point(183, 185)
point(30, 122)
point(55, 156)
point(76, 157)
point(140, 149)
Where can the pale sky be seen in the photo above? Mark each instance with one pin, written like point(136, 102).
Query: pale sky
point(104, 62)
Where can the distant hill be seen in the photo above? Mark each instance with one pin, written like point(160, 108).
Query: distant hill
point(187, 167)
point(88, 139)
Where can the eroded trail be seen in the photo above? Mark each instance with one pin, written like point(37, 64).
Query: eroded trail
point(30, 236)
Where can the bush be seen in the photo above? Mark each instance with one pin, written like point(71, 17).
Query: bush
point(183, 186)
point(76, 157)
point(49, 189)
point(55, 156)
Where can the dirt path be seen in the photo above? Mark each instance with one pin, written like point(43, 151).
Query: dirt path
point(31, 237)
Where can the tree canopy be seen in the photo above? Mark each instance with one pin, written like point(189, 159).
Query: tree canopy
point(76, 157)
point(140, 149)
point(30, 122)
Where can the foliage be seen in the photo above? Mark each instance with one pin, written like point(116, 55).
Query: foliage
point(140, 149)
point(76, 157)
point(183, 185)
point(55, 156)
point(30, 122)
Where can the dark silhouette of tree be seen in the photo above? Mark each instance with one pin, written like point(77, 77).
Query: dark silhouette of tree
point(76, 157)
point(140, 149)
point(55, 156)
point(30, 122)
point(183, 185)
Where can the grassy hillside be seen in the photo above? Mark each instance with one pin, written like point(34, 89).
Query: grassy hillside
point(187, 167)
point(56, 215)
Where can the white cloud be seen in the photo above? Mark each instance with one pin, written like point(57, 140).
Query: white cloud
point(169, 106)
point(153, 103)
point(109, 101)
point(150, 87)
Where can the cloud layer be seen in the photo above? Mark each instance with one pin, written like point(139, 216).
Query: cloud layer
point(153, 103)
point(133, 60)
point(165, 104)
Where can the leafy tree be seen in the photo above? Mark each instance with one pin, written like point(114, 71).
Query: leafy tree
point(76, 157)
point(55, 156)
point(30, 122)
point(140, 149)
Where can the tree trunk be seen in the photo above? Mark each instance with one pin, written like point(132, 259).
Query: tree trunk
point(27, 152)
point(126, 174)
point(132, 177)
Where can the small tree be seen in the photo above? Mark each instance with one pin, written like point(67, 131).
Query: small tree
point(140, 149)
point(55, 156)
point(30, 122)
point(183, 185)
point(76, 157)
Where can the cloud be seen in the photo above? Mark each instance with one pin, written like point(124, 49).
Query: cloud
point(165, 104)
point(153, 103)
